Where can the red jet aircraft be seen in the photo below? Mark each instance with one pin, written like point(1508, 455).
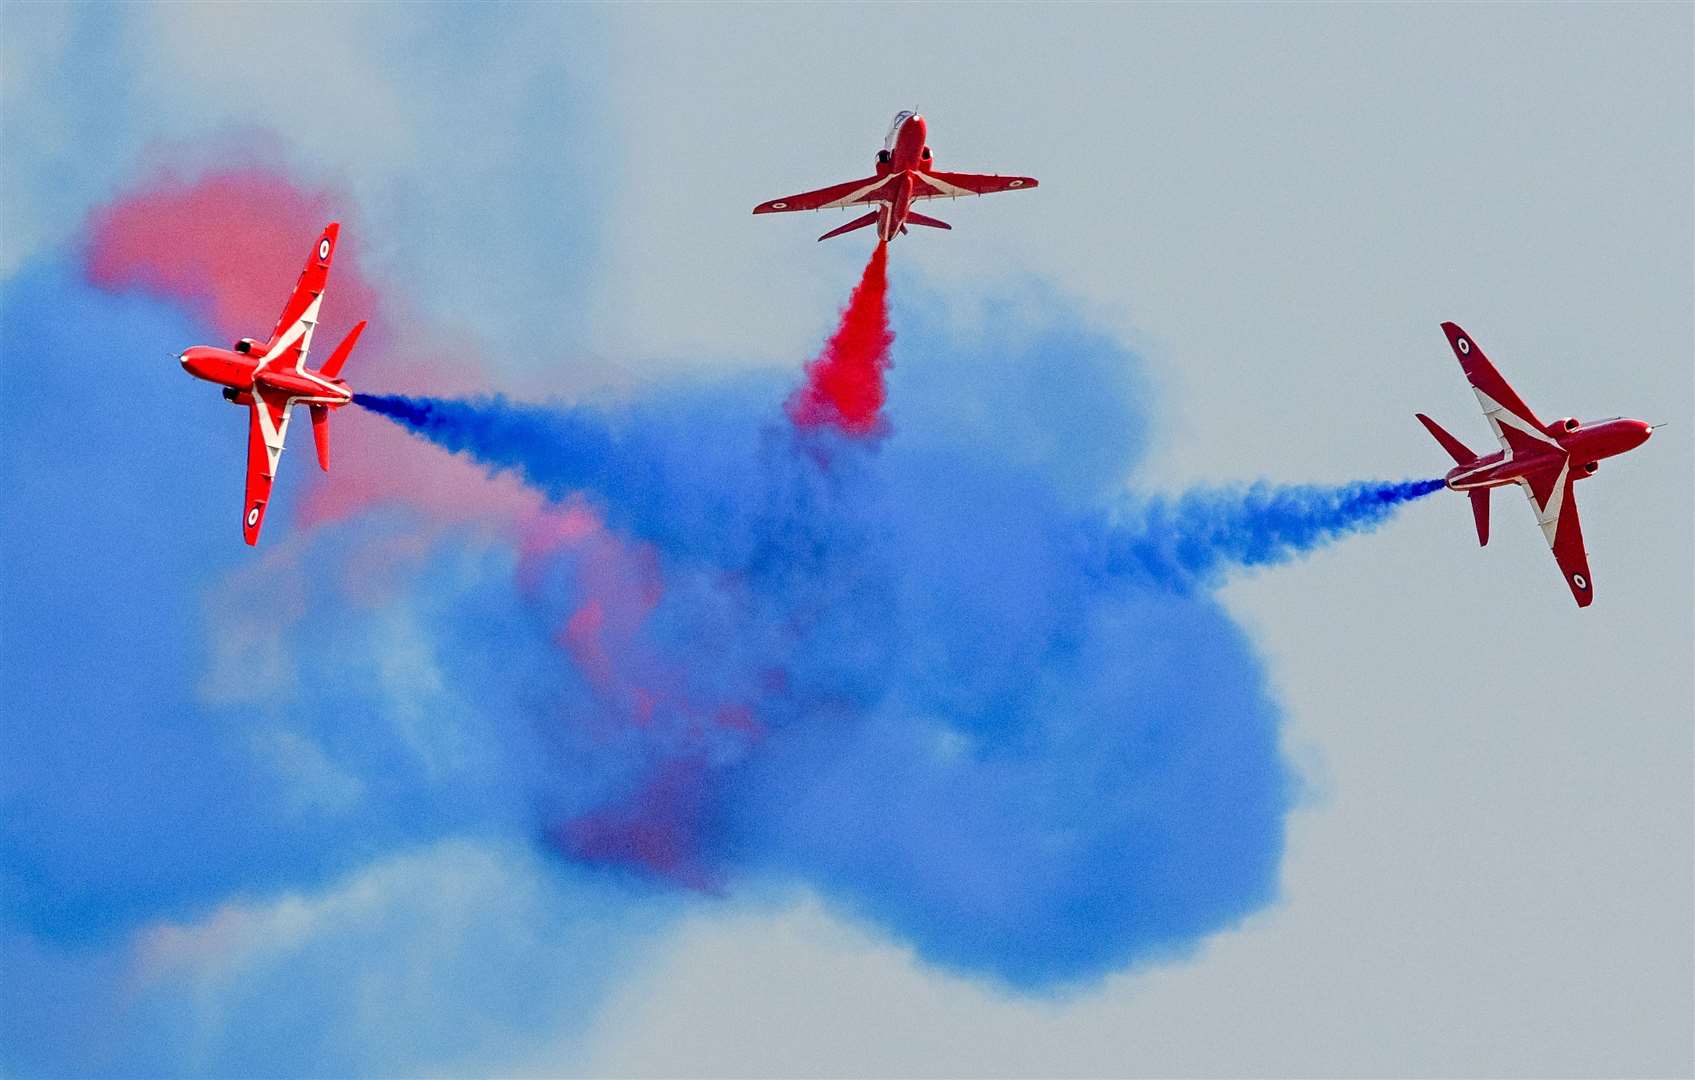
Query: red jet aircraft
point(1545, 460)
point(272, 376)
point(904, 175)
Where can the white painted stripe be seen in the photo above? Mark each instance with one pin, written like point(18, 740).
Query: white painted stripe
point(856, 195)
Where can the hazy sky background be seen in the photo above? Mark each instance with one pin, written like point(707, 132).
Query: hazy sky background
point(1274, 207)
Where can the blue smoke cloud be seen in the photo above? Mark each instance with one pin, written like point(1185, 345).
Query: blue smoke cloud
point(98, 535)
point(949, 681)
point(1014, 729)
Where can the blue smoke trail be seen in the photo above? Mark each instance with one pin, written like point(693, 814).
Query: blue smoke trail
point(625, 462)
point(1191, 540)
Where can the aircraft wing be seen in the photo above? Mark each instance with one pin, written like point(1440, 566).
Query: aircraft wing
point(267, 426)
point(292, 337)
point(951, 185)
point(1501, 406)
point(854, 191)
point(1555, 503)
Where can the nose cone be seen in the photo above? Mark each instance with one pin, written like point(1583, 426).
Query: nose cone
point(194, 361)
point(1623, 434)
point(915, 124)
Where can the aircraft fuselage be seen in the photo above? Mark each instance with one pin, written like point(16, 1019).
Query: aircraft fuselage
point(1584, 445)
point(906, 156)
point(239, 372)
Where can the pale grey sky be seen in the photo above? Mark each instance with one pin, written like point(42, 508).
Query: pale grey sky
point(1276, 206)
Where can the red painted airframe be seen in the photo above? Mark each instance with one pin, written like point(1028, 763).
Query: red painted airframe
point(270, 377)
point(1545, 460)
point(905, 174)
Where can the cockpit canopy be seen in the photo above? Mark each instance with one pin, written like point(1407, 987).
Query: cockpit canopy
point(894, 129)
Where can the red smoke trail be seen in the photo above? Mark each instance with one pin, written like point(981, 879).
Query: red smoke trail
point(844, 385)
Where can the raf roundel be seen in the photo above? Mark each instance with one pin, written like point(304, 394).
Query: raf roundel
point(253, 517)
point(1462, 345)
point(1580, 581)
point(779, 205)
point(324, 248)
point(1015, 183)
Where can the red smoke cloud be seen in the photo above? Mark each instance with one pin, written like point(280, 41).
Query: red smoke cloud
point(229, 245)
point(844, 385)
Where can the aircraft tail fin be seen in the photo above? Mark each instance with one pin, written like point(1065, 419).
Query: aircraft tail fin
point(1453, 446)
point(321, 434)
point(332, 366)
point(856, 223)
point(1480, 514)
point(916, 218)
